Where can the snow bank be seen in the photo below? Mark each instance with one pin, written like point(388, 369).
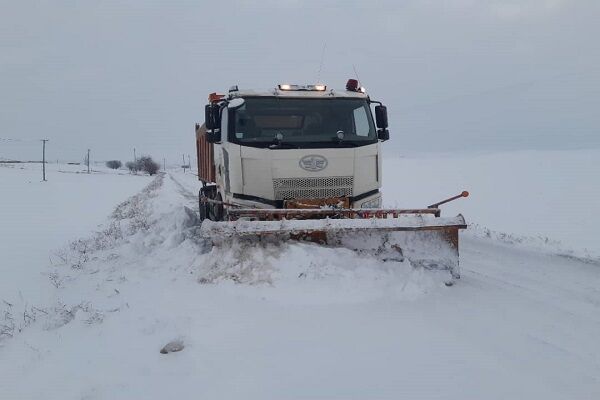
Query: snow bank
point(37, 219)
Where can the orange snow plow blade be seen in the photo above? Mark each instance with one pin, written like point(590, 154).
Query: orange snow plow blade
point(417, 235)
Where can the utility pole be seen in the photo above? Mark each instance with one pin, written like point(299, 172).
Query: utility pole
point(183, 164)
point(134, 158)
point(44, 159)
point(164, 164)
point(88, 161)
point(189, 163)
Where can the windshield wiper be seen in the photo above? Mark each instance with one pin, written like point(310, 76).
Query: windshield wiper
point(278, 143)
point(283, 145)
point(342, 143)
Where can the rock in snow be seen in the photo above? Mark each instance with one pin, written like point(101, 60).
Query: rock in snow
point(172, 347)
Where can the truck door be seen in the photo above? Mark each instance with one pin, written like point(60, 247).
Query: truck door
point(222, 155)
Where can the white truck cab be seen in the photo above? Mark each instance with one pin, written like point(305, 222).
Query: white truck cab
point(290, 147)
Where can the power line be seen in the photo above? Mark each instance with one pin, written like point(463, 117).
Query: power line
point(18, 140)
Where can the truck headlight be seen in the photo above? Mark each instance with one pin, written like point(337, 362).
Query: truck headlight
point(373, 203)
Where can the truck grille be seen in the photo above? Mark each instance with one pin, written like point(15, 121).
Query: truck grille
point(313, 188)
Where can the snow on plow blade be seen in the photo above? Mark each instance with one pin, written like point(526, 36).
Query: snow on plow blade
point(419, 236)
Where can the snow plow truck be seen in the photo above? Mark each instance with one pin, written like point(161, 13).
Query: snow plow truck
point(303, 162)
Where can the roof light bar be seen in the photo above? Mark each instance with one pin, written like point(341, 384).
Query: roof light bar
point(318, 88)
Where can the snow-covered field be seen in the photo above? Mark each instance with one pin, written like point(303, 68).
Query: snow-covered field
point(85, 319)
point(37, 218)
point(544, 194)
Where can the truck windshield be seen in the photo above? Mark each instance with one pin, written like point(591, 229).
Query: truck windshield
point(302, 123)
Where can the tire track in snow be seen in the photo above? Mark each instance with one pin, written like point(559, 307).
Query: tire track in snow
point(186, 193)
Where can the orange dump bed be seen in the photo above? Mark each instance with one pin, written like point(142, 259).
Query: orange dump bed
point(206, 156)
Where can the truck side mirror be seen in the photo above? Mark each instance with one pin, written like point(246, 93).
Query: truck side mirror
point(212, 117)
point(381, 117)
point(212, 121)
point(382, 122)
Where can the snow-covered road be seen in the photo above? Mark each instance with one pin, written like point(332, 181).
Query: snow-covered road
point(305, 321)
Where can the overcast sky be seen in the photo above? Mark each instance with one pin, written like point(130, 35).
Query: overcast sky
point(456, 74)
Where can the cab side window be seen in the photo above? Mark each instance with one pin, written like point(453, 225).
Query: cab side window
point(361, 122)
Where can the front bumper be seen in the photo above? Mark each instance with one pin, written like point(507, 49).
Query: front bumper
point(373, 201)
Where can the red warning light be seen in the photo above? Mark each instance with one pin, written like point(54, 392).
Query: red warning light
point(352, 85)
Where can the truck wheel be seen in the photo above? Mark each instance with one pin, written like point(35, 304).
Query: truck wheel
point(216, 210)
point(203, 207)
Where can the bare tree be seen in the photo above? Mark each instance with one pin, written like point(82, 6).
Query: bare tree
point(147, 164)
point(114, 164)
point(132, 166)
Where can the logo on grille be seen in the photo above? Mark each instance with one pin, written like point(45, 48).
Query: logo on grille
point(313, 163)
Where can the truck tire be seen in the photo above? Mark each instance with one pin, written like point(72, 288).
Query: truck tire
point(203, 207)
point(216, 211)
